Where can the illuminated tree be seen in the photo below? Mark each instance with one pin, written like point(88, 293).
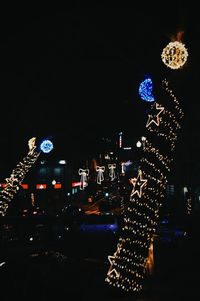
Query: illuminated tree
point(129, 262)
point(17, 176)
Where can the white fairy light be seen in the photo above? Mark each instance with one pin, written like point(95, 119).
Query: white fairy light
point(112, 167)
point(100, 170)
point(17, 176)
point(84, 177)
point(130, 265)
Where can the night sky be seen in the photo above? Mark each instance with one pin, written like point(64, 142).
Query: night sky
point(74, 73)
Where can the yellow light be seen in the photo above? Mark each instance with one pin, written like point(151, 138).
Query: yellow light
point(174, 55)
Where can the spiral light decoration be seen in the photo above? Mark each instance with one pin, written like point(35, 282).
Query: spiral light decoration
point(17, 176)
point(128, 264)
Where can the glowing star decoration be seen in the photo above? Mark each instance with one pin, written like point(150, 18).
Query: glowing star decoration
point(111, 259)
point(138, 184)
point(84, 180)
point(100, 170)
point(46, 146)
point(174, 55)
point(112, 171)
point(111, 269)
point(146, 90)
point(154, 117)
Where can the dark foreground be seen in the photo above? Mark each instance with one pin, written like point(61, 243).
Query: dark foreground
point(75, 269)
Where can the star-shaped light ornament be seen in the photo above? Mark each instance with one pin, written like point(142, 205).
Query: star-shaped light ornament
point(11, 181)
point(138, 184)
point(111, 259)
point(154, 116)
point(111, 269)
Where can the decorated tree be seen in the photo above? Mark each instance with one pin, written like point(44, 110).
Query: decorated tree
point(129, 263)
point(17, 176)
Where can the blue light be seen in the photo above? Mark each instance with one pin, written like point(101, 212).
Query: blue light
point(46, 146)
point(146, 90)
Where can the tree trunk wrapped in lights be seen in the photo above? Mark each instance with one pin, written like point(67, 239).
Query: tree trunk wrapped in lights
point(17, 176)
point(128, 265)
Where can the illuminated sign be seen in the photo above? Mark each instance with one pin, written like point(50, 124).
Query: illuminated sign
point(41, 186)
point(24, 186)
point(57, 186)
point(75, 184)
point(3, 185)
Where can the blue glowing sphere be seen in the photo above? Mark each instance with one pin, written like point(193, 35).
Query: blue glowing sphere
point(146, 90)
point(46, 146)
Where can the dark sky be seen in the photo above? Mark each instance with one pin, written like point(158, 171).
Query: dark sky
point(77, 71)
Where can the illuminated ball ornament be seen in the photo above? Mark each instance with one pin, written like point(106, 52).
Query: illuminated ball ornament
point(46, 146)
point(146, 90)
point(174, 55)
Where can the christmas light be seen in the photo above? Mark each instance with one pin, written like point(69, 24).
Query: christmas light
point(174, 55)
point(154, 118)
point(112, 167)
point(17, 176)
point(131, 264)
point(46, 146)
point(138, 182)
point(100, 170)
point(146, 90)
point(84, 177)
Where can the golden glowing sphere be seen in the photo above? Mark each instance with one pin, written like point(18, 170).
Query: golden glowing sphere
point(174, 55)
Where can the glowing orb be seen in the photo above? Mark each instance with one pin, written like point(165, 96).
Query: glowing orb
point(146, 90)
point(46, 146)
point(174, 55)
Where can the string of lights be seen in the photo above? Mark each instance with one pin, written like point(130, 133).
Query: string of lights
point(129, 264)
point(17, 176)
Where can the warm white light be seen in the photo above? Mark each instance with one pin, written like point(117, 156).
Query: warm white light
point(112, 167)
point(100, 170)
point(174, 55)
point(17, 176)
point(62, 162)
point(84, 177)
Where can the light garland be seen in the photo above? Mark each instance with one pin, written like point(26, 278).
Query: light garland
point(17, 176)
point(174, 55)
point(133, 262)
